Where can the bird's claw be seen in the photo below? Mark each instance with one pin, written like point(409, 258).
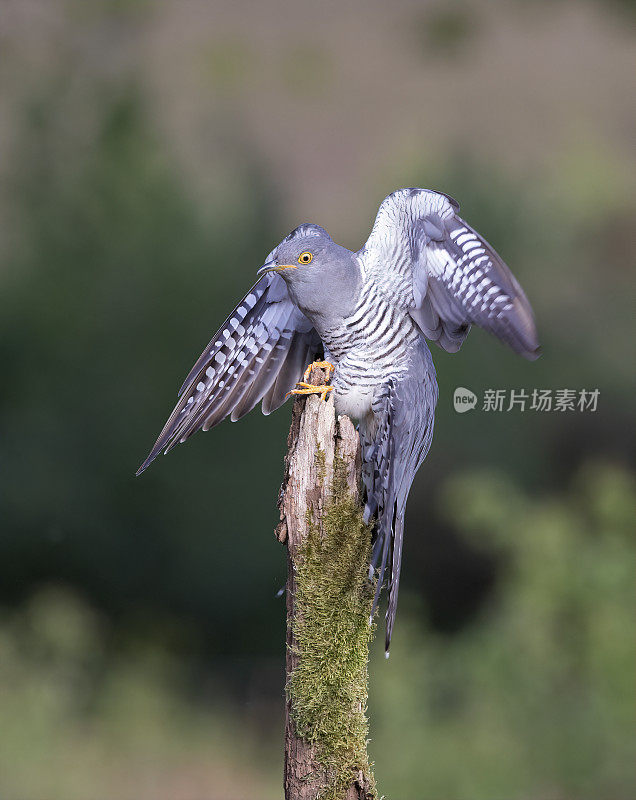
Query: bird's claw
point(304, 387)
point(309, 388)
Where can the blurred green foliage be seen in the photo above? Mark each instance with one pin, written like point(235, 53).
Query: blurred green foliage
point(447, 29)
point(78, 721)
point(117, 283)
point(537, 699)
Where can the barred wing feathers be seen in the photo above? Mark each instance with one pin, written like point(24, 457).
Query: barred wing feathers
point(258, 354)
point(457, 278)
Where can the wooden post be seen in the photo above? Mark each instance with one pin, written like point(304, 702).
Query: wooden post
point(328, 605)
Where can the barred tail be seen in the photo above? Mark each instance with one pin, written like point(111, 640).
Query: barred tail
point(395, 442)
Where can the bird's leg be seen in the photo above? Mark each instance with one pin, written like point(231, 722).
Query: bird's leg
point(326, 365)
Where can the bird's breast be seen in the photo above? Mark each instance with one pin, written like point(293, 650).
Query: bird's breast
point(368, 347)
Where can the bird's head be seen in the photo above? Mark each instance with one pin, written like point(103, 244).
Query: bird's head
point(321, 275)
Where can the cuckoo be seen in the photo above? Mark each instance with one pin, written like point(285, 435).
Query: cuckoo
point(423, 273)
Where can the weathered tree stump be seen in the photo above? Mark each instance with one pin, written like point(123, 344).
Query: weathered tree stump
point(328, 605)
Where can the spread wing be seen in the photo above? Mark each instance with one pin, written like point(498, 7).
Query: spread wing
point(456, 277)
point(259, 353)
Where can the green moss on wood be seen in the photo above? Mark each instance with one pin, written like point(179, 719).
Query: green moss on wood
point(328, 689)
point(321, 462)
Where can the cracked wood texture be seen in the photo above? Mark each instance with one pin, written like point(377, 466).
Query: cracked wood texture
point(305, 491)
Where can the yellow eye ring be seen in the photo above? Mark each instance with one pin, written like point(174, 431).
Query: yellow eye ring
point(305, 258)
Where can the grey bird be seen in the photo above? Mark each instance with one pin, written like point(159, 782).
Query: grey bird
point(423, 274)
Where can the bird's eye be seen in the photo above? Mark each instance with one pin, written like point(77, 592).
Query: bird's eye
point(305, 258)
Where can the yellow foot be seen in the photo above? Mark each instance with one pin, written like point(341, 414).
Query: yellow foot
point(309, 388)
point(322, 365)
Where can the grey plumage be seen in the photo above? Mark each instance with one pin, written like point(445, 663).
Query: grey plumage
point(423, 272)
